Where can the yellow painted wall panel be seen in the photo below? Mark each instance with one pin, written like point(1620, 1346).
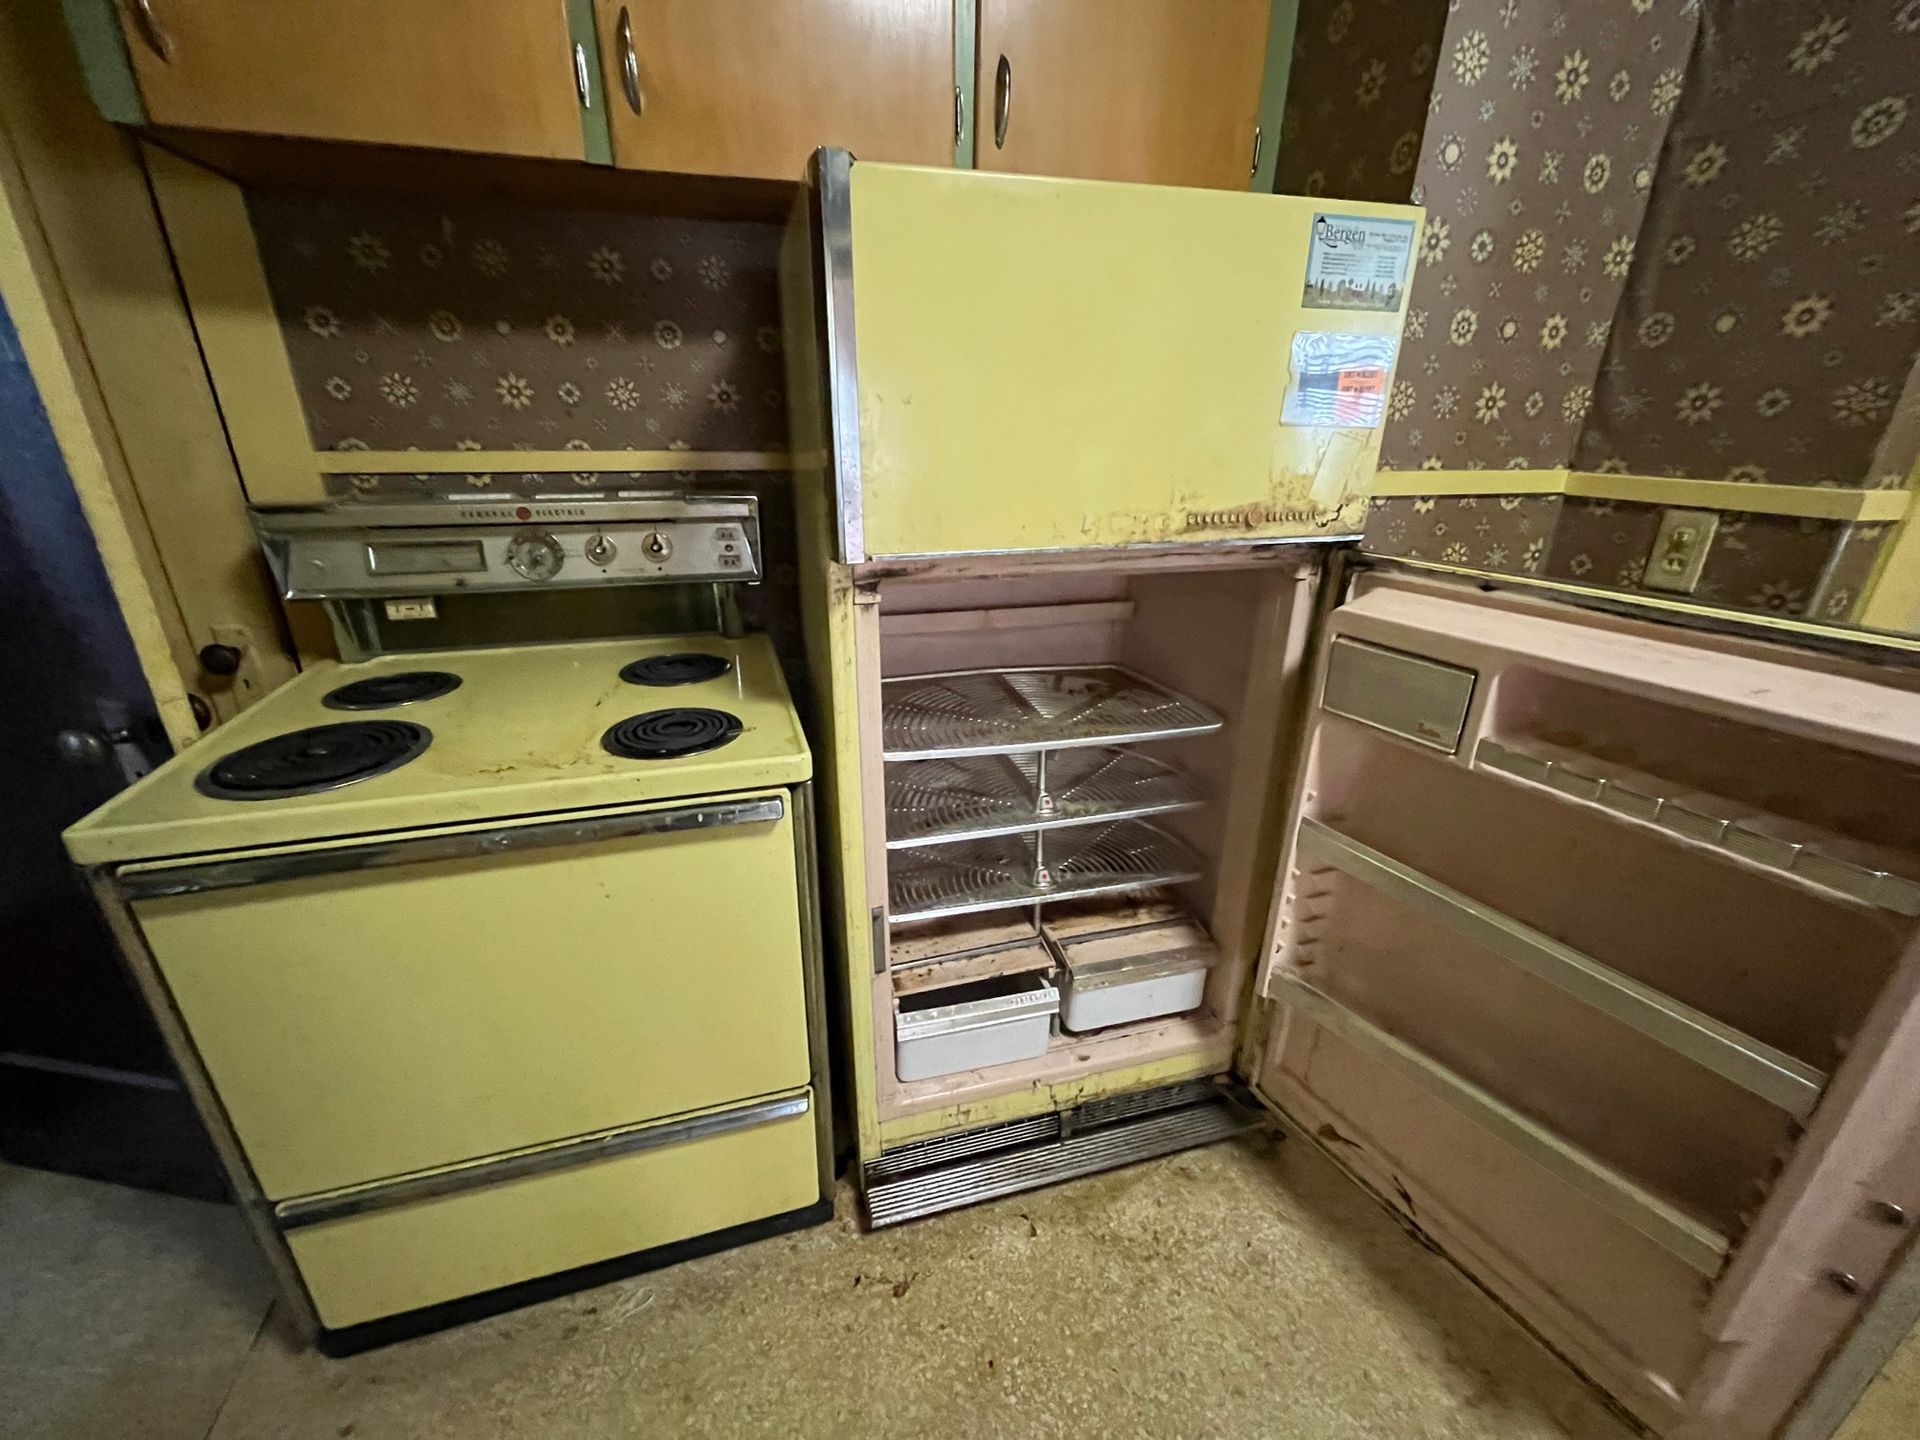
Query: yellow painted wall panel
point(383, 1263)
point(484, 1005)
point(1053, 363)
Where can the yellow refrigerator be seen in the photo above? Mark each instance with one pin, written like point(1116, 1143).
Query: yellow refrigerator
point(1584, 940)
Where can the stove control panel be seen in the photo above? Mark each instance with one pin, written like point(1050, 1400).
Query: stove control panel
point(647, 544)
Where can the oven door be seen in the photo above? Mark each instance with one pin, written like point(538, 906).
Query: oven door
point(371, 1009)
point(1594, 954)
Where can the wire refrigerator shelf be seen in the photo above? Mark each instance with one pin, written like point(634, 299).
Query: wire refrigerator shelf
point(1003, 712)
point(1005, 872)
point(940, 801)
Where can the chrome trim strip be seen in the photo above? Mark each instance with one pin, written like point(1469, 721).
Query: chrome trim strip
point(1157, 547)
point(379, 854)
point(588, 509)
point(390, 1194)
point(835, 171)
point(1773, 1075)
point(1695, 1243)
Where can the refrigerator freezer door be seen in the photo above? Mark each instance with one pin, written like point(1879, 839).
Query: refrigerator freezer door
point(1043, 364)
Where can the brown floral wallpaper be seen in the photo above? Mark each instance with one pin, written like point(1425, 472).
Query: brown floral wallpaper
point(1772, 315)
point(1648, 249)
point(416, 324)
point(1850, 572)
point(1488, 532)
point(1770, 563)
point(1357, 93)
point(1776, 564)
point(1545, 125)
point(1754, 313)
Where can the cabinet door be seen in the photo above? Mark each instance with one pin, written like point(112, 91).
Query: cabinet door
point(1596, 955)
point(1166, 91)
point(489, 75)
point(722, 87)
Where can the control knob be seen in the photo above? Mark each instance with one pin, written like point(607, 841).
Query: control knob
point(534, 555)
point(656, 546)
point(599, 550)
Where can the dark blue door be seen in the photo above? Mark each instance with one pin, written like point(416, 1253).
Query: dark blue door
point(85, 1085)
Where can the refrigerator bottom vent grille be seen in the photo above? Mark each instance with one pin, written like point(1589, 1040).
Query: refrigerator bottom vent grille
point(1009, 1172)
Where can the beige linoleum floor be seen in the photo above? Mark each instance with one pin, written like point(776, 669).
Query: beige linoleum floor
point(1241, 1290)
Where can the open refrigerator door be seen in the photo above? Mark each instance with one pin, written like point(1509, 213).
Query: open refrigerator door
point(1593, 955)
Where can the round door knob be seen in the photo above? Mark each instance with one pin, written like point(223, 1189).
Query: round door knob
point(87, 749)
point(656, 545)
point(220, 659)
point(599, 550)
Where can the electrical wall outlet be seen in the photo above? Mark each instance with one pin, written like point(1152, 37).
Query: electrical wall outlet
point(1680, 550)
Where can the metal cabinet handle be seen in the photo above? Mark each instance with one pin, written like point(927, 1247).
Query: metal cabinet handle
point(1253, 168)
point(582, 83)
point(1002, 101)
point(629, 61)
point(150, 29)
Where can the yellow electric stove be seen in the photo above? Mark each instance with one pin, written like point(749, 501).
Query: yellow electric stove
point(508, 985)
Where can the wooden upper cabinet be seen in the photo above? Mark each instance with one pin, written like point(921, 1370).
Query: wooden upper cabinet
point(488, 75)
point(728, 87)
point(1166, 91)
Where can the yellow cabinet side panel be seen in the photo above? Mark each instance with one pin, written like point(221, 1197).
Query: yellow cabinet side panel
point(484, 1005)
point(389, 1261)
point(1049, 363)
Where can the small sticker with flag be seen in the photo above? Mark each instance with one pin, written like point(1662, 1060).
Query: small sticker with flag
point(1339, 380)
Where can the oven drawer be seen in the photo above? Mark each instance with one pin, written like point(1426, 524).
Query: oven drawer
point(387, 1261)
point(379, 1021)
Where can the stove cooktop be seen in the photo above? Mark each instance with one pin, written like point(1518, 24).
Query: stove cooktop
point(383, 692)
point(683, 667)
point(669, 734)
point(320, 757)
point(520, 736)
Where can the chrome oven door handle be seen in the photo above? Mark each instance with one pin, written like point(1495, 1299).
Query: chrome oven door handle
point(381, 854)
